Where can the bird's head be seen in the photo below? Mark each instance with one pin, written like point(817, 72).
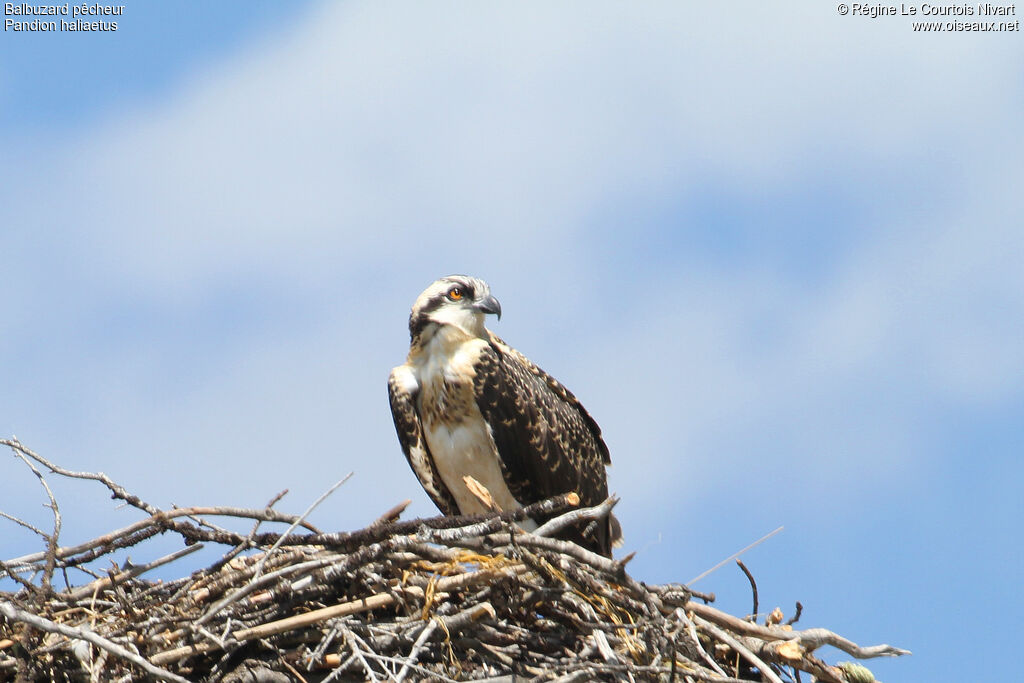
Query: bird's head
point(457, 300)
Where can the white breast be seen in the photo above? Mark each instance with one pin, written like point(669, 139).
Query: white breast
point(468, 450)
point(461, 444)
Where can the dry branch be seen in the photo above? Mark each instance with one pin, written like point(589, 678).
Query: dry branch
point(444, 598)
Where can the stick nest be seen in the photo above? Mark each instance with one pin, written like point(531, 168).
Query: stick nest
point(444, 598)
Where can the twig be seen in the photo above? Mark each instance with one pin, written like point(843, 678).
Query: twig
point(414, 653)
point(811, 639)
point(736, 645)
point(553, 526)
point(354, 607)
point(25, 524)
point(504, 599)
point(14, 614)
point(12, 573)
point(247, 543)
point(301, 518)
point(354, 643)
point(492, 523)
point(53, 539)
point(117, 490)
point(393, 513)
point(139, 570)
point(753, 585)
point(692, 631)
point(267, 579)
point(433, 675)
point(156, 522)
point(796, 615)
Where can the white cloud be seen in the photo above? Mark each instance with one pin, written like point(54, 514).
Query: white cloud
point(346, 165)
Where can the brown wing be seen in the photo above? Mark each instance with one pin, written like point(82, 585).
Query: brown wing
point(559, 389)
point(402, 391)
point(547, 442)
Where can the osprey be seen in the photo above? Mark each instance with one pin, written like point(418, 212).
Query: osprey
point(466, 404)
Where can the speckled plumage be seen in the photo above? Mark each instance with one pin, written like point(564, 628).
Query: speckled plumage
point(410, 433)
point(467, 402)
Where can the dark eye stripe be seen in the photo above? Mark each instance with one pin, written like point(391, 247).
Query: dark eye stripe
point(433, 304)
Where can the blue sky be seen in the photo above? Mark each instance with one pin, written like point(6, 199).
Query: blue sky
point(776, 252)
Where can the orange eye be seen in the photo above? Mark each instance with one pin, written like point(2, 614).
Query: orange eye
point(455, 293)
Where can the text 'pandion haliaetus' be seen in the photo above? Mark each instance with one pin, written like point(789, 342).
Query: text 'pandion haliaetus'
point(465, 403)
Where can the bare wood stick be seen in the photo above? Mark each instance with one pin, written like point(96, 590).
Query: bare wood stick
point(445, 585)
point(14, 614)
point(555, 609)
point(356, 644)
point(603, 647)
point(394, 512)
point(610, 567)
point(23, 523)
point(494, 523)
point(52, 541)
point(796, 615)
point(553, 526)
point(267, 579)
point(745, 652)
point(557, 545)
point(376, 601)
point(139, 570)
point(432, 675)
point(737, 625)
point(117, 490)
point(753, 585)
point(247, 543)
point(374, 533)
point(158, 519)
point(13, 574)
point(811, 639)
point(301, 518)
point(692, 631)
point(414, 653)
point(473, 613)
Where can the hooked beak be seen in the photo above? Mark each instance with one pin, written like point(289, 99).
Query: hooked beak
point(488, 305)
